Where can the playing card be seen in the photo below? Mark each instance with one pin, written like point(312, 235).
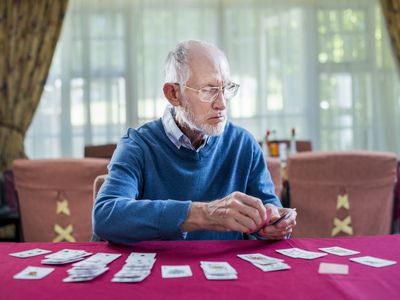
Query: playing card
point(137, 267)
point(311, 255)
point(373, 261)
point(129, 273)
point(258, 258)
point(66, 254)
point(273, 267)
point(33, 273)
point(30, 253)
point(300, 253)
point(291, 252)
point(129, 279)
point(134, 256)
point(176, 271)
point(83, 275)
point(60, 261)
point(98, 258)
point(327, 268)
point(217, 268)
point(286, 214)
point(339, 251)
point(64, 257)
point(221, 277)
point(87, 272)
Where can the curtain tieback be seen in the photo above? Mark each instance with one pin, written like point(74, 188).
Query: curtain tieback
point(12, 127)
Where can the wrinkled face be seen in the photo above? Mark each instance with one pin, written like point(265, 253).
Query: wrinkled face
point(207, 69)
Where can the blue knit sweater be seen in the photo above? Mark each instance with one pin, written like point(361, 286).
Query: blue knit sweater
point(151, 183)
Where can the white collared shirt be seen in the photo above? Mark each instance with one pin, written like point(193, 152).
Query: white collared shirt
point(176, 136)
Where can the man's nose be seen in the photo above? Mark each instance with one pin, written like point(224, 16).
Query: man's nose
point(219, 102)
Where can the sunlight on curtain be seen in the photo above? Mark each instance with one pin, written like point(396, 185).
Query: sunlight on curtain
point(323, 67)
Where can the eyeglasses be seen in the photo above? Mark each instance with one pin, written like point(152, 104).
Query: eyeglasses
point(210, 93)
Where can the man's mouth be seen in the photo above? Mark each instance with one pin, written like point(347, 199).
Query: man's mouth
point(217, 118)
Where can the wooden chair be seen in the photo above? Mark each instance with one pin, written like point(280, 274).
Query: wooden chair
point(55, 197)
point(342, 193)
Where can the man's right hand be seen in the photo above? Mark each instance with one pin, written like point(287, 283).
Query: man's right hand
point(235, 212)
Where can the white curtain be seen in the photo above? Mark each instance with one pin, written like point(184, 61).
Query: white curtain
point(322, 67)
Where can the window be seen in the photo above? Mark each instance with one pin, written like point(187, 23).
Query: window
point(323, 67)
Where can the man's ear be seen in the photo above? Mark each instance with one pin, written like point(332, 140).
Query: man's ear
point(172, 93)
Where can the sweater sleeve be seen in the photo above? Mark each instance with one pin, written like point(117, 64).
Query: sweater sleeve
point(260, 183)
point(119, 215)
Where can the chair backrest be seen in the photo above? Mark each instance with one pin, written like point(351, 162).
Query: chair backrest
point(100, 151)
point(274, 167)
point(55, 197)
point(98, 182)
point(396, 212)
point(342, 193)
point(303, 146)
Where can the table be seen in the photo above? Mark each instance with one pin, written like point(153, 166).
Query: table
point(301, 282)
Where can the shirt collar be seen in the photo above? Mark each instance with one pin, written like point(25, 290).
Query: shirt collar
point(175, 135)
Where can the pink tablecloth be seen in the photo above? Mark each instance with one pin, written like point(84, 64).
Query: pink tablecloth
point(301, 282)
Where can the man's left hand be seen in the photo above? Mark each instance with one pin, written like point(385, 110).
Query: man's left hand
point(281, 229)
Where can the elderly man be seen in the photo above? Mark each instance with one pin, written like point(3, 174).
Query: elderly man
point(190, 174)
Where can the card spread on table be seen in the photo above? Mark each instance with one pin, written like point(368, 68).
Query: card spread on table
point(339, 251)
point(300, 253)
point(264, 262)
point(100, 258)
point(136, 255)
point(136, 269)
point(214, 270)
point(176, 271)
point(328, 268)
point(273, 267)
point(33, 273)
point(373, 261)
point(64, 257)
point(258, 258)
point(30, 253)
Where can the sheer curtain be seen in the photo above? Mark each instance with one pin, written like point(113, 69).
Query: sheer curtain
point(322, 67)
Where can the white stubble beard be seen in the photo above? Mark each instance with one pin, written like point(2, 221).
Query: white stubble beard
point(185, 118)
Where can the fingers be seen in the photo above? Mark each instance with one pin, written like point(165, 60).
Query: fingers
point(275, 213)
point(236, 212)
point(290, 221)
point(244, 217)
point(282, 228)
point(271, 232)
point(253, 202)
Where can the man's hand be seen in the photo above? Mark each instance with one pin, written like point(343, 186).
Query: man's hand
point(279, 230)
point(235, 212)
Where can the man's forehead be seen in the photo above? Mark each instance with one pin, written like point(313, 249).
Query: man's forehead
point(207, 63)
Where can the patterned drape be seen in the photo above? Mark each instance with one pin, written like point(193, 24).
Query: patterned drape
point(391, 10)
point(29, 31)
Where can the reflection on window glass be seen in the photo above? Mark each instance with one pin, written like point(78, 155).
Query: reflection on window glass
point(342, 35)
point(77, 102)
point(325, 69)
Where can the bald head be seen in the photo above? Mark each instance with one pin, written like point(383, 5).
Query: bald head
point(192, 59)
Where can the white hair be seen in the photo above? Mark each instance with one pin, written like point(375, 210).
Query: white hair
point(177, 66)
